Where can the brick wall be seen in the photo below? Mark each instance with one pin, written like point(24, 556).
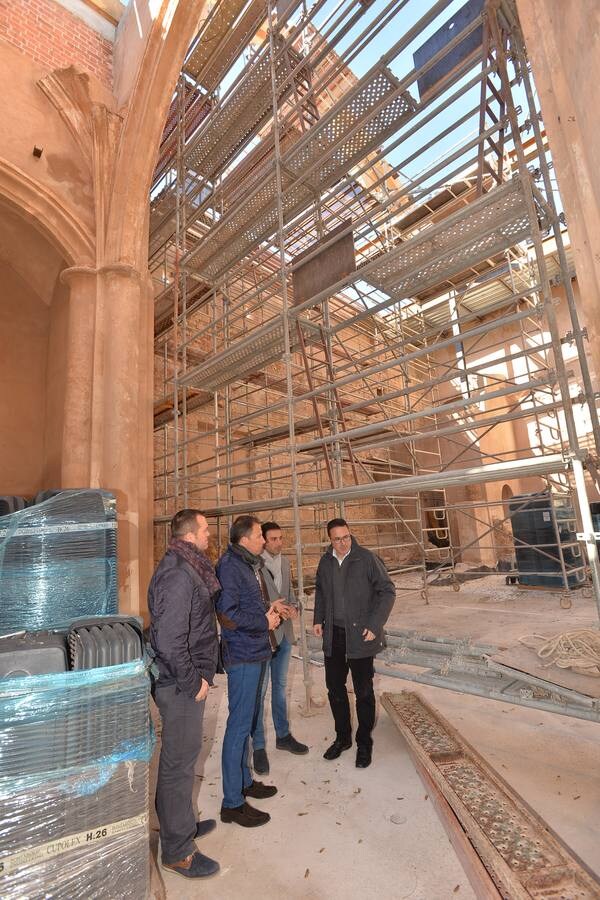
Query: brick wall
point(55, 38)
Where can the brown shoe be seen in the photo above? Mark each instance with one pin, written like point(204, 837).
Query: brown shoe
point(196, 865)
point(259, 791)
point(245, 815)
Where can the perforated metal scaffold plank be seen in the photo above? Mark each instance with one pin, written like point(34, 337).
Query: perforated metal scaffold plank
point(495, 222)
point(354, 127)
point(223, 39)
point(247, 355)
point(524, 858)
point(211, 59)
point(239, 116)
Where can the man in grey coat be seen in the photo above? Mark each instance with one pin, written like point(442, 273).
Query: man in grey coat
point(183, 636)
point(278, 579)
point(354, 596)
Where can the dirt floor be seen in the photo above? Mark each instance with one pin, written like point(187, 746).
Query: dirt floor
point(490, 611)
point(340, 832)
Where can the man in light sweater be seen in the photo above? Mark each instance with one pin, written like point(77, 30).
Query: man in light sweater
point(279, 584)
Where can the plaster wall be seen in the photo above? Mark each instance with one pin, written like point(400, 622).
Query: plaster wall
point(85, 198)
point(29, 120)
point(56, 386)
point(24, 326)
point(565, 57)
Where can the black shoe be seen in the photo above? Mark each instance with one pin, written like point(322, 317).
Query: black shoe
point(260, 791)
point(245, 815)
point(196, 865)
point(336, 749)
point(291, 744)
point(205, 827)
point(260, 762)
point(363, 757)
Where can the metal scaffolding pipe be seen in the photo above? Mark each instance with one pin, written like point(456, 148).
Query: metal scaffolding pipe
point(520, 468)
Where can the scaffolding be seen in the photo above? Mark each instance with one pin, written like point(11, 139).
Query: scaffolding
point(364, 288)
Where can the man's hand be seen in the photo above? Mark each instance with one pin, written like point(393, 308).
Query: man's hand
point(368, 635)
point(285, 610)
point(318, 630)
point(203, 692)
point(272, 618)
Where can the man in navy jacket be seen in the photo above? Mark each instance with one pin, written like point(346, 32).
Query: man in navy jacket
point(246, 617)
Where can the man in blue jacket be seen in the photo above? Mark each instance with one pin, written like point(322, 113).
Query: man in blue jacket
point(354, 596)
point(246, 618)
point(183, 636)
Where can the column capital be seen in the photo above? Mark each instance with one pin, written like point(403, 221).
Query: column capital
point(112, 269)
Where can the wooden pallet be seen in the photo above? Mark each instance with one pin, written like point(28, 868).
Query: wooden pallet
point(491, 827)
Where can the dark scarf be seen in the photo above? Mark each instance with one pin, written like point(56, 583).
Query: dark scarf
point(256, 562)
point(198, 561)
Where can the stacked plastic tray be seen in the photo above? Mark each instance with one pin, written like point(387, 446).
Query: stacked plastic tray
point(58, 561)
point(74, 753)
point(74, 745)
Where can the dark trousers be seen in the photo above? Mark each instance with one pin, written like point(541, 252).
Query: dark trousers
point(180, 745)
point(336, 673)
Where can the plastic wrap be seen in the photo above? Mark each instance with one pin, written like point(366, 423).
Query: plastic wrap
point(74, 755)
point(58, 561)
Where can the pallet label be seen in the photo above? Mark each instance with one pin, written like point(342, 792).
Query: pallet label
point(33, 855)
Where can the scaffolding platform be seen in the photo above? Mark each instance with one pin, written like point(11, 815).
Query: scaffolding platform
point(355, 126)
point(239, 117)
point(484, 228)
point(221, 42)
point(468, 668)
point(522, 855)
point(251, 354)
point(162, 219)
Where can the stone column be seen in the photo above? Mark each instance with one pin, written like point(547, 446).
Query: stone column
point(77, 431)
point(107, 437)
point(563, 44)
point(126, 422)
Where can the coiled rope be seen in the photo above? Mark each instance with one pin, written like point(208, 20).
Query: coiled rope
point(577, 650)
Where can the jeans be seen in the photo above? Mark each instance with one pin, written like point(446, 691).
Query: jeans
point(278, 667)
point(243, 694)
point(180, 745)
point(336, 672)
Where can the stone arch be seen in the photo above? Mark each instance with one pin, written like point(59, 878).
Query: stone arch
point(169, 35)
point(507, 494)
point(39, 239)
point(47, 213)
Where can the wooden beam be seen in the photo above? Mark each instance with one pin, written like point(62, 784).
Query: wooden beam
point(479, 878)
point(525, 859)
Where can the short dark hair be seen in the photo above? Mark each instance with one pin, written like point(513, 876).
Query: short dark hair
point(185, 521)
point(336, 523)
point(269, 526)
point(242, 527)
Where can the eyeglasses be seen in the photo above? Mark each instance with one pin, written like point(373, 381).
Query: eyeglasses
point(341, 540)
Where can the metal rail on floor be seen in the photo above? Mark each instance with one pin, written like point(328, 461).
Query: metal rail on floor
point(468, 668)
